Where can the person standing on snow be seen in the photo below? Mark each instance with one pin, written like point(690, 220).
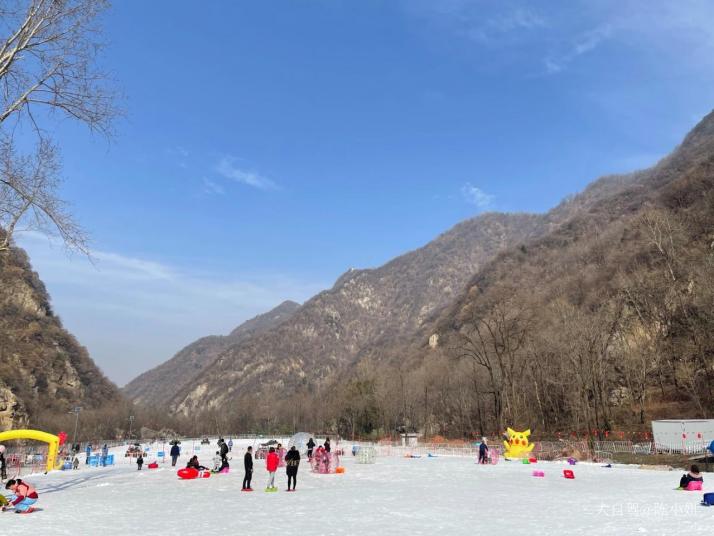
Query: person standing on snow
point(139, 461)
point(105, 453)
point(223, 452)
point(3, 464)
point(175, 452)
point(483, 451)
point(327, 445)
point(310, 446)
point(292, 460)
point(230, 445)
point(248, 465)
point(88, 451)
point(271, 464)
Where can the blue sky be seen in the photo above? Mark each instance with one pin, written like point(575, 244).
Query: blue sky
point(269, 146)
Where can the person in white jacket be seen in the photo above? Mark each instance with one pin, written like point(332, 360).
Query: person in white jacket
point(217, 462)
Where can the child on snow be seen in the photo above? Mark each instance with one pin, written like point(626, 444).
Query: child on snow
point(217, 462)
point(75, 463)
point(24, 496)
point(140, 461)
point(271, 464)
point(693, 476)
point(483, 451)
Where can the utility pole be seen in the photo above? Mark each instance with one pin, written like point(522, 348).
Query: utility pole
point(76, 411)
point(131, 421)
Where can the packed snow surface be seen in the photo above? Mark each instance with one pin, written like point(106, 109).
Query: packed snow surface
point(396, 496)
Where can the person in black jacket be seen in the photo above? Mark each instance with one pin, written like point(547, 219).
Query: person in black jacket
point(693, 476)
point(223, 451)
point(3, 464)
point(193, 463)
point(483, 451)
point(327, 445)
point(310, 446)
point(292, 461)
point(248, 465)
point(175, 451)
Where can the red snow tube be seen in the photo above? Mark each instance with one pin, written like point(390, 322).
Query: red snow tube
point(189, 473)
point(153, 465)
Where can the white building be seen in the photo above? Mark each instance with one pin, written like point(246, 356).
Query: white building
point(683, 435)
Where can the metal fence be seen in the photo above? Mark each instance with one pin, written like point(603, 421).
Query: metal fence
point(545, 450)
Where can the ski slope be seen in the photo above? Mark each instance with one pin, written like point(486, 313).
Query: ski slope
point(395, 496)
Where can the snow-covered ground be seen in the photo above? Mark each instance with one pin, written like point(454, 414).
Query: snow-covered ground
point(395, 496)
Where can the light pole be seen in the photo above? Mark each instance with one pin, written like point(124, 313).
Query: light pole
point(131, 421)
point(76, 411)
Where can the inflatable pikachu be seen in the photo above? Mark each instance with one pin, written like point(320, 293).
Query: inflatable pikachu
point(517, 445)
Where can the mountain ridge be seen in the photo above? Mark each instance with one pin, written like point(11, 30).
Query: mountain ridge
point(156, 386)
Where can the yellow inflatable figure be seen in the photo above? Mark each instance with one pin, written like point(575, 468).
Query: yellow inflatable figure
point(517, 445)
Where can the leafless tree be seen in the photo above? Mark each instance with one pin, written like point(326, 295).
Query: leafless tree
point(48, 52)
point(28, 197)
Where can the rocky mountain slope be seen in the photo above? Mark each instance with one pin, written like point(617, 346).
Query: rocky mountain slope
point(43, 369)
point(159, 386)
point(605, 321)
point(364, 306)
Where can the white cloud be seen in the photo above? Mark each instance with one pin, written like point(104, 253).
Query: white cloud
point(495, 25)
point(672, 34)
point(476, 196)
point(211, 187)
point(582, 44)
point(227, 167)
point(134, 313)
point(520, 18)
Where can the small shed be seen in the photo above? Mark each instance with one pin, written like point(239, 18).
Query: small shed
point(409, 439)
point(683, 435)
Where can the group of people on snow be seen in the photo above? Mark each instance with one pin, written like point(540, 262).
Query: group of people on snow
point(272, 461)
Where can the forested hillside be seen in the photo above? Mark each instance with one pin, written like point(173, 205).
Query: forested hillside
point(604, 323)
point(43, 369)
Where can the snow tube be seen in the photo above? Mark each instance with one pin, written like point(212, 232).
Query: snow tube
point(539, 473)
point(694, 485)
point(567, 473)
point(189, 473)
point(339, 470)
point(708, 499)
point(533, 460)
point(153, 465)
point(223, 471)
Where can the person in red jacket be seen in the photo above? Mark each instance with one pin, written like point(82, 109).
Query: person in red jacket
point(271, 464)
point(23, 496)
